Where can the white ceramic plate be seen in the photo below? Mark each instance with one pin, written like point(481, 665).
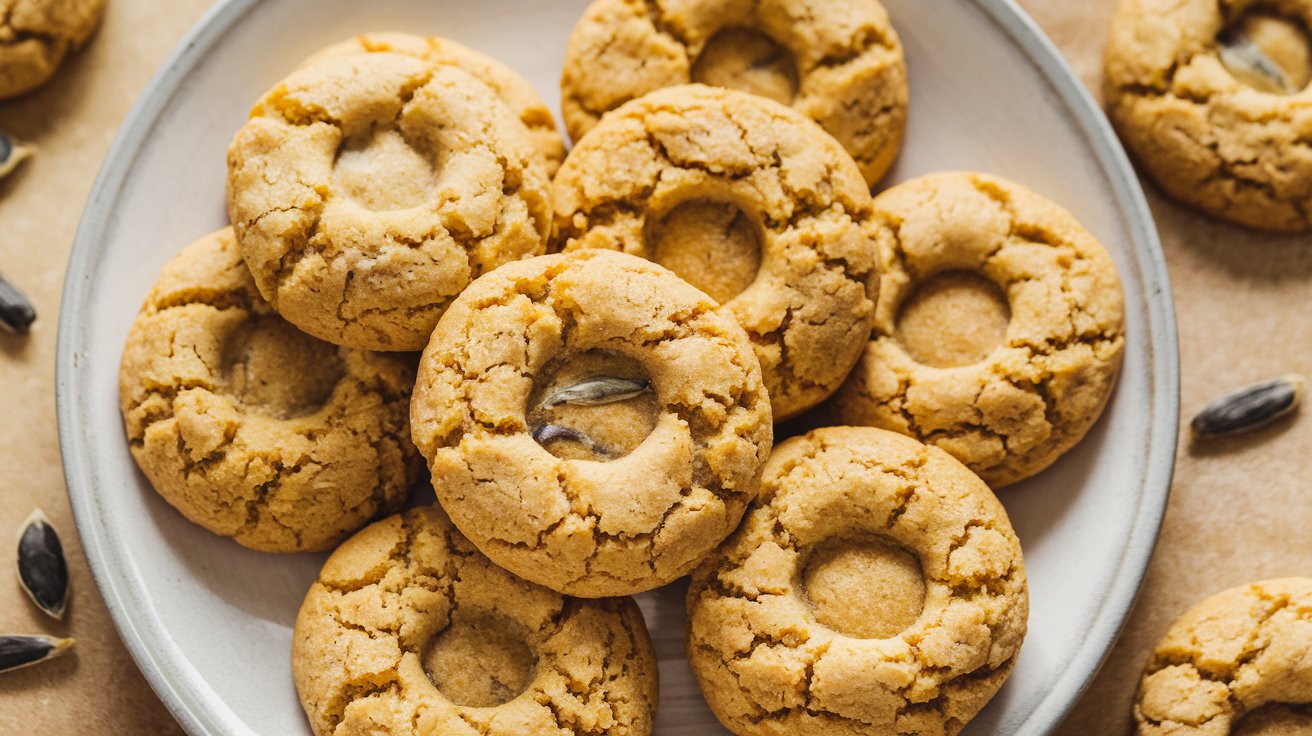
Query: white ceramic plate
point(210, 622)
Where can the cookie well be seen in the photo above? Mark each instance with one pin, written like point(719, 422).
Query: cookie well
point(1266, 49)
point(748, 60)
point(614, 410)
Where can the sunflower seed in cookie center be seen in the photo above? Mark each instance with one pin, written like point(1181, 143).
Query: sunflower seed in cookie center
point(272, 368)
point(748, 61)
point(712, 245)
point(953, 319)
point(1267, 52)
point(1277, 719)
point(385, 170)
point(595, 405)
point(867, 588)
point(480, 661)
point(12, 153)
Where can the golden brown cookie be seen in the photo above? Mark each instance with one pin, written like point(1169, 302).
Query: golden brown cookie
point(838, 63)
point(874, 587)
point(250, 428)
point(1238, 663)
point(513, 89)
point(1000, 326)
point(409, 631)
point(36, 35)
point(368, 190)
point(1212, 98)
point(592, 422)
point(752, 203)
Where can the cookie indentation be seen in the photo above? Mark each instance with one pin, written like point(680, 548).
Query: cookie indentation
point(714, 246)
point(1276, 720)
point(382, 171)
point(748, 61)
point(595, 405)
point(480, 661)
point(869, 588)
point(1268, 52)
point(272, 368)
point(955, 318)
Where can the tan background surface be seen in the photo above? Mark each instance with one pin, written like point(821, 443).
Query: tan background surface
point(1238, 512)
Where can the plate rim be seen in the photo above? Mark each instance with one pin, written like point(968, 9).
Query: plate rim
point(123, 595)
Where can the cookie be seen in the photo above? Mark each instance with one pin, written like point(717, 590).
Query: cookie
point(252, 429)
point(1212, 98)
point(874, 587)
point(513, 89)
point(368, 190)
point(840, 64)
point(409, 630)
point(592, 422)
point(1000, 326)
point(1238, 663)
point(36, 36)
point(749, 201)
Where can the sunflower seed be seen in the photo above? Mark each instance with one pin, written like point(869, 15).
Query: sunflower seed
point(1251, 65)
point(22, 651)
point(1249, 408)
point(12, 153)
point(42, 570)
point(544, 434)
point(16, 312)
point(598, 390)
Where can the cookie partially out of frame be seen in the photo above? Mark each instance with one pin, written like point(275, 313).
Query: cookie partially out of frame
point(1239, 662)
point(368, 190)
point(36, 36)
point(1212, 98)
point(251, 428)
point(838, 63)
point(409, 630)
point(875, 587)
point(1000, 327)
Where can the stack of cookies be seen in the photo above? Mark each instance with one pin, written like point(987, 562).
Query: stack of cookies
point(608, 341)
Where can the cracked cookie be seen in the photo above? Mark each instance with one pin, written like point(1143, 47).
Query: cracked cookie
point(1239, 663)
point(513, 89)
point(750, 202)
point(410, 631)
point(874, 587)
point(36, 36)
point(250, 428)
point(999, 330)
point(592, 422)
point(368, 190)
point(839, 64)
point(1212, 99)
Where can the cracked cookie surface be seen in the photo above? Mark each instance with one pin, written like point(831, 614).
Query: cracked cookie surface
point(838, 63)
point(1209, 139)
point(36, 35)
point(587, 525)
point(772, 207)
point(508, 85)
point(368, 190)
point(410, 631)
point(1240, 662)
point(1043, 369)
point(252, 429)
point(874, 587)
